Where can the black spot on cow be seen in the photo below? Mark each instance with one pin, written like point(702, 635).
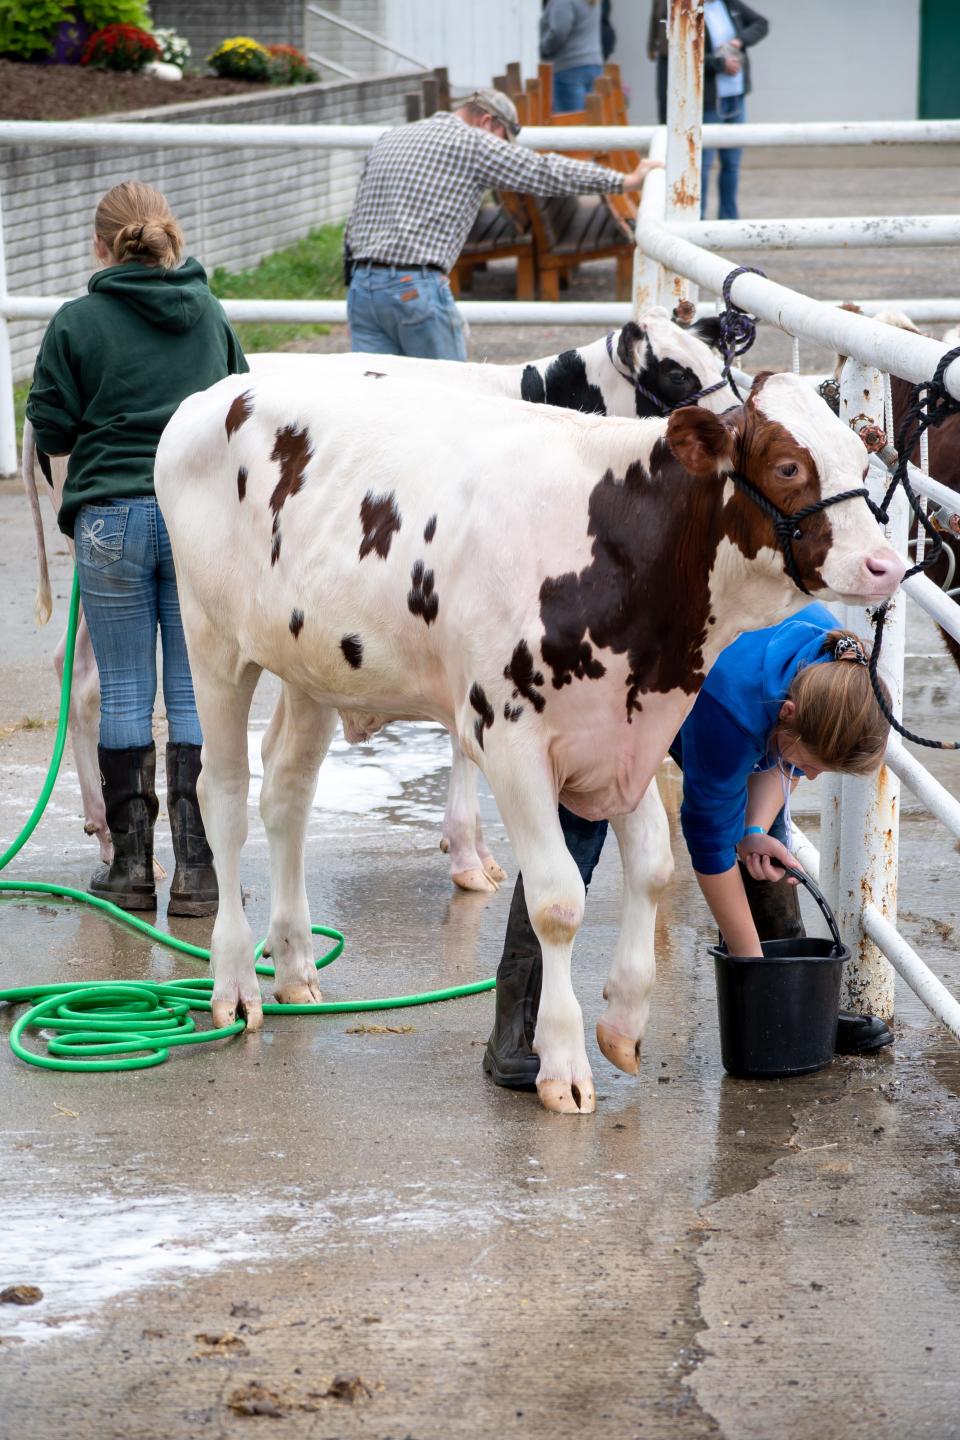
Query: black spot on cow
point(480, 703)
point(352, 647)
point(293, 450)
point(668, 381)
point(430, 529)
point(43, 460)
point(565, 384)
point(421, 598)
point(241, 408)
point(646, 591)
point(524, 677)
point(512, 712)
point(380, 520)
point(375, 374)
point(242, 482)
point(532, 387)
point(296, 623)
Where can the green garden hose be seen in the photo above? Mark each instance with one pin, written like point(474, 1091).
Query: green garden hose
point(133, 1024)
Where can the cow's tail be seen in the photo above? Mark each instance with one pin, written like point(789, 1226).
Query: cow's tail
point(43, 603)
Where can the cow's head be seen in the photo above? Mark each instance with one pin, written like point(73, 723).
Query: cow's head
point(669, 362)
point(796, 453)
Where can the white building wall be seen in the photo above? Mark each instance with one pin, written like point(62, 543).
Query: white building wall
point(475, 41)
point(822, 60)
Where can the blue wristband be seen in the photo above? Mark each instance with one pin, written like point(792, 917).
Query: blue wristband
point(754, 830)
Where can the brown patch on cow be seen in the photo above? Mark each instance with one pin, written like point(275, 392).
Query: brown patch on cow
point(352, 647)
point(421, 597)
point(296, 623)
point(524, 678)
point(242, 482)
point(430, 529)
point(646, 591)
point(293, 450)
point(380, 520)
point(766, 443)
point(556, 925)
point(480, 703)
point(241, 408)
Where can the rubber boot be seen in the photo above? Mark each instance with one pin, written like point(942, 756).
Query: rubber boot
point(128, 778)
point(509, 1057)
point(193, 889)
point(775, 907)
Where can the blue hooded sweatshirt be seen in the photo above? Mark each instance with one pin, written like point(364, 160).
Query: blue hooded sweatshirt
point(724, 739)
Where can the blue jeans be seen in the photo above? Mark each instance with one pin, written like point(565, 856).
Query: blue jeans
point(731, 110)
point(404, 311)
point(571, 87)
point(128, 585)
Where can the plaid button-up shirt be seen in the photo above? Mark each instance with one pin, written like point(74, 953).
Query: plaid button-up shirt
point(423, 184)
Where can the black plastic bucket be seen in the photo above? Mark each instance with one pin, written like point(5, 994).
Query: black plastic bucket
point(778, 1013)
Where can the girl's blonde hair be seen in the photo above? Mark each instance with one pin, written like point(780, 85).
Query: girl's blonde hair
point(837, 717)
point(134, 221)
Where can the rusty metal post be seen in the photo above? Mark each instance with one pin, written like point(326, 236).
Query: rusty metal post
point(8, 425)
point(684, 125)
point(860, 819)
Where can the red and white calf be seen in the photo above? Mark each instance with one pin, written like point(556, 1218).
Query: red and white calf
point(647, 368)
point(552, 587)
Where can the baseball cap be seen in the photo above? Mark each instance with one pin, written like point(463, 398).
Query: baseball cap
point(500, 106)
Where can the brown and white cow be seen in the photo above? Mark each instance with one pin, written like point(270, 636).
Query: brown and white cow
point(550, 586)
point(648, 367)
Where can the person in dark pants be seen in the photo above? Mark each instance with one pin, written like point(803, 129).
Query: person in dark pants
point(779, 704)
point(113, 367)
point(420, 192)
point(730, 29)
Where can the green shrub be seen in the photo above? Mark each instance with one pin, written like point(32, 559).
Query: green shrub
point(27, 28)
point(100, 13)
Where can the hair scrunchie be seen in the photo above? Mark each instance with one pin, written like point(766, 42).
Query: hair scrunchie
point(847, 645)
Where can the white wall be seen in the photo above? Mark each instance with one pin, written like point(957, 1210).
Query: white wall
point(822, 60)
point(474, 39)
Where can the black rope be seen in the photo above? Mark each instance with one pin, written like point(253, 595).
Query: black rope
point(879, 619)
point(738, 330)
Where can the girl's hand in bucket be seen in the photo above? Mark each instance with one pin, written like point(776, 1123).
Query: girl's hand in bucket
point(766, 858)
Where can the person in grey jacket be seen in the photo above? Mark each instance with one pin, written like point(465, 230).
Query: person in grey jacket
point(730, 28)
point(570, 37)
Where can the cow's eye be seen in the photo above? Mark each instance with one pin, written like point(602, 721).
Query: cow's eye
point(676, 378)
point(789, 470)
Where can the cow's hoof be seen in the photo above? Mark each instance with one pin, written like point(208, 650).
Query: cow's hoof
point(567, 1098)
point(619, 1049)
point(299, 993)
point(494, 871)
point(225, 1012)
point(476, 880)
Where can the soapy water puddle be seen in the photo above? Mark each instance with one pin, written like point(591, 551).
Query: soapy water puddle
point(86, 1250)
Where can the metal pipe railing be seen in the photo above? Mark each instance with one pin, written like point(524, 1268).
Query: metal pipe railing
point(857, 232)
point(368, 35)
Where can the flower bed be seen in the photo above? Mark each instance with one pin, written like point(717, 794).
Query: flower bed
point(70, 92)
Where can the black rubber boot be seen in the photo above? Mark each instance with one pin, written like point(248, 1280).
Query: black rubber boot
point(193, 889)
point(509, 1058)
point(128, 778)
point(775, 907)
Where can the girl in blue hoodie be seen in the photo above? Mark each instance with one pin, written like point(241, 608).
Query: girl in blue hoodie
point(778, 705)
point(113, 367)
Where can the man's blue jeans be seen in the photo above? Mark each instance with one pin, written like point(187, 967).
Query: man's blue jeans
point(571, 87)
point(128, 587)
point(404, 311)
point(731, 110)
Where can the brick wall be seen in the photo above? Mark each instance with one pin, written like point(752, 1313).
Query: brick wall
point(206, 22)
point(234, 205)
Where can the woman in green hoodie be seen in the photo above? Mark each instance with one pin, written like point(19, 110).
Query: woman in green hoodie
point(112, 368)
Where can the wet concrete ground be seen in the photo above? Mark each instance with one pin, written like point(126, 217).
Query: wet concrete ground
point(703, 1257)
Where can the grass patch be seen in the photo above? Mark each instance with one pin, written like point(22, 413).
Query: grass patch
point(310, 269)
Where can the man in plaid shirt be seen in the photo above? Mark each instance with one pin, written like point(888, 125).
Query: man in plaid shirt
point(420, 192)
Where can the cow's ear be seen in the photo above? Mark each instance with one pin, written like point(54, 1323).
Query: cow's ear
point(701, 441)
point(632, 336)
point(707, 329)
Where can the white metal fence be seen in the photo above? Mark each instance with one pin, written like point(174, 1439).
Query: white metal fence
point(859, 832)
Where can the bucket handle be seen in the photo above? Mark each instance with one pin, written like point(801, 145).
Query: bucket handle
point(820, 898)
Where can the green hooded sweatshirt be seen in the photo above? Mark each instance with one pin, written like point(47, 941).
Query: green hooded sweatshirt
point(113, 367)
